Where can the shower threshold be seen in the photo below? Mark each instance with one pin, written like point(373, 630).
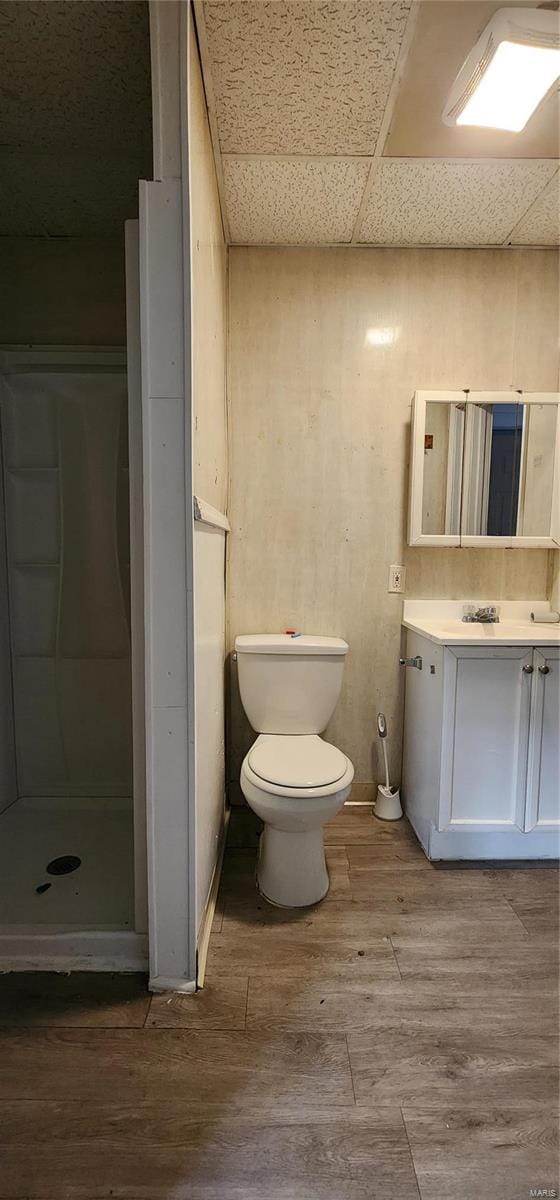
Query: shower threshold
point(67, 885)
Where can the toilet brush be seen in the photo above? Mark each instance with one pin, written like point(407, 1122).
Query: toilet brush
point(387, 807)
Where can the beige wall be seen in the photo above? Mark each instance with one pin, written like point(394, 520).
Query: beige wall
point(209, 325)
point(209, 290)
point(320, 423)
point(555, 580)
point(538, 478)
point(434, 489)
point(62, 291)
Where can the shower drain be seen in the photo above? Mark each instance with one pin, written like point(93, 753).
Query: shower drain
point(64, 865)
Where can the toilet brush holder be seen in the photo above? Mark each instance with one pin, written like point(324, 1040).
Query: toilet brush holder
point(388, 804)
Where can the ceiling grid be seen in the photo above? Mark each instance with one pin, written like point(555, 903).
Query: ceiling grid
point(308, 100)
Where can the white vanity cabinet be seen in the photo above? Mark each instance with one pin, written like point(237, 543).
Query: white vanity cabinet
point(486, 718)
point(481, 772)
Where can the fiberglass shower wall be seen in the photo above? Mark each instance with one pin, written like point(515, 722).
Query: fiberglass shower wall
point(65, 474)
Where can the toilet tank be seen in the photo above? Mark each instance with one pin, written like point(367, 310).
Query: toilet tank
point(289, 684)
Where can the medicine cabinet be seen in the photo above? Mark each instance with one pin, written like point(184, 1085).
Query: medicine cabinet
point(485, 469)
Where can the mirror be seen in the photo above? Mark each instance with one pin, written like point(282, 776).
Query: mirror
point(538, 463)
point(492, 469)
point(443, 467)
point(485, 466)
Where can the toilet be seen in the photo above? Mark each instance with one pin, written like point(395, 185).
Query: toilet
point(291, 777)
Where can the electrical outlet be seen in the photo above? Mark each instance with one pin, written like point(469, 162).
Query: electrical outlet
point(396, 578)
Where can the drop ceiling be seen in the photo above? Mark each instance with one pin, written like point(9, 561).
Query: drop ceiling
point(326, 126)
point(75, 116)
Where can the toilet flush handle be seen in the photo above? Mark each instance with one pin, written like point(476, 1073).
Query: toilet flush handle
point(412, 662)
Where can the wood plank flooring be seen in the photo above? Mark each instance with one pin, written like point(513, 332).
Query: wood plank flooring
point(397, 1042)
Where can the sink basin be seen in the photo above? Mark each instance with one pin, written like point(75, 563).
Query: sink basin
point(457, 632)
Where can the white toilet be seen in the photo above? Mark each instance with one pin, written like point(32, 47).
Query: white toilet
point(291, 778)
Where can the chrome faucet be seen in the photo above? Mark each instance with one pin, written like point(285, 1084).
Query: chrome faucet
point(484, 616)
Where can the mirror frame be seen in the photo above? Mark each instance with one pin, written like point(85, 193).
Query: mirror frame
point(465, 396)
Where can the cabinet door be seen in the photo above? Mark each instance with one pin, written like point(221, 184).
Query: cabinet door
point(485, 742)
point(543, 785)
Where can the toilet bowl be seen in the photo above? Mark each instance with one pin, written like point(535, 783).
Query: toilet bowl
point(295, 785)
point(291, 778)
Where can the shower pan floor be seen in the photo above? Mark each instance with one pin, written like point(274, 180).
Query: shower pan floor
point(99, 894)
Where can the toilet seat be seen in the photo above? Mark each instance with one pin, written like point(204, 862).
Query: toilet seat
point(296, 762)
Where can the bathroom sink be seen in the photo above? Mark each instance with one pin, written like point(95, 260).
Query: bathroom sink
point(448, 631)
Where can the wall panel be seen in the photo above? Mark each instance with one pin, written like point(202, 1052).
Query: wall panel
point(326, 349)
point(208, 334)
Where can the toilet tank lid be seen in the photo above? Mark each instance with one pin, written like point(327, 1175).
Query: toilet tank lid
point(285, 643)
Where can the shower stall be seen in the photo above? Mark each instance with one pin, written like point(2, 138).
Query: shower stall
point(72, 849)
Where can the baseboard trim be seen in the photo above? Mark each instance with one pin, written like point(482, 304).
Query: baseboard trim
point(208, 918)
point(457, 844)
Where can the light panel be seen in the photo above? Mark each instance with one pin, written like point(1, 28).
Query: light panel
point(509, 71)
point(516, 81)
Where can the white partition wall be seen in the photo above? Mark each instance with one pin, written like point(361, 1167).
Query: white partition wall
point(8, 782)
point(176, 265)
point(168, 591)
point(168, 524)
point(137, 632)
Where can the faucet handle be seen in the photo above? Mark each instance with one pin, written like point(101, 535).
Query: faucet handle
point(487, 614)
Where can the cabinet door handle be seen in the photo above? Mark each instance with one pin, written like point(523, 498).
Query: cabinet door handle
point(544, 670)
point(528, 669)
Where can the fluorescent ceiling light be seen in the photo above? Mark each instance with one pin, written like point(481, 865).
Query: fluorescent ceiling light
point(508, 72)
point(514, 84)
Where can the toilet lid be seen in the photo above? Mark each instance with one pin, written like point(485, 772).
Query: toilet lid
point(298, 762)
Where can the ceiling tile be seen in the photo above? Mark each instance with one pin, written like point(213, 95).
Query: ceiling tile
point(76, 75)
point(75, 116)
point(66, 194)
point(301, 77)
point(541, 225)
point(293, 202)
point(437, 203)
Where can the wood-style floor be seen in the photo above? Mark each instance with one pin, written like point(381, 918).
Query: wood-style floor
point(396, 1042)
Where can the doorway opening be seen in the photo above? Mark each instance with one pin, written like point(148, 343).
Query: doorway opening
point(77, 134)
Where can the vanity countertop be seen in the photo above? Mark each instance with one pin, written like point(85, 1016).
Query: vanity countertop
point(441, 622)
